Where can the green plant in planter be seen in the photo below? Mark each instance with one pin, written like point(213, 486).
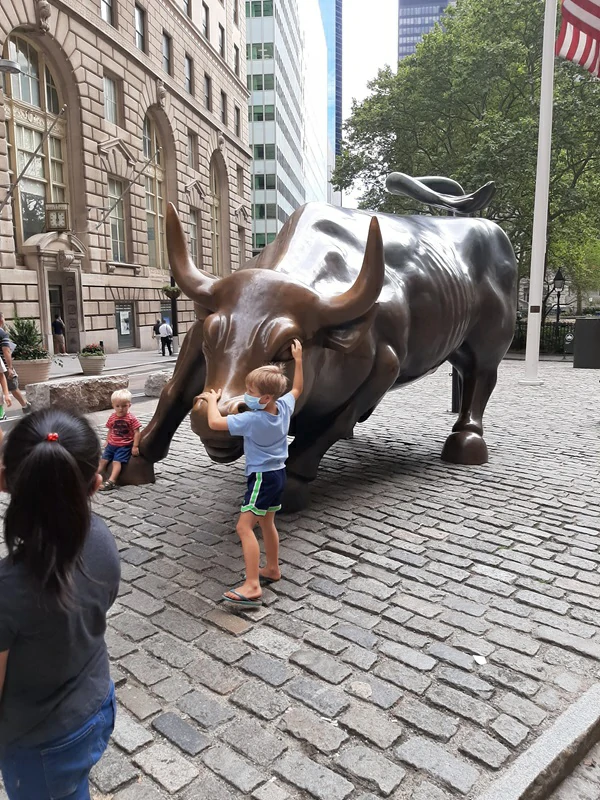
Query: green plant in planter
point(28, 341)
point(92, 350)
point(172, 292)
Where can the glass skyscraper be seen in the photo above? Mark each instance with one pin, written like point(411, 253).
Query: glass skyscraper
point(415, 19)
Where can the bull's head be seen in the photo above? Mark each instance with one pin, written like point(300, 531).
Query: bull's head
point(251, 317)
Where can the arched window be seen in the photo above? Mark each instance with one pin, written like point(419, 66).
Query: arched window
point(154, 176)
point(215, 217)
point(45, 180)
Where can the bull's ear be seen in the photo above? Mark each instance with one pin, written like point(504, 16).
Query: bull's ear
point(347, 338)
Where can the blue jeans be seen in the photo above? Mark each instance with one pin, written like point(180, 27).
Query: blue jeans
point(60, 769)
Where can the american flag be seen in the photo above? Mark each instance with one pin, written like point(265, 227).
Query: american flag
point(579, 37)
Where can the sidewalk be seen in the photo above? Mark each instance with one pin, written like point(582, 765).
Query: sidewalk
point(115, 362)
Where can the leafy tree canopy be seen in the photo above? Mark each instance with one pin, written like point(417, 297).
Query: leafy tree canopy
point(466, 105)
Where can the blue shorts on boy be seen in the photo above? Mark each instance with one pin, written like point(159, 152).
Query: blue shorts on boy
point(266, 450)
point(113, 452)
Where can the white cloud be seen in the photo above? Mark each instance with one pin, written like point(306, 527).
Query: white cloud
point(370, 31)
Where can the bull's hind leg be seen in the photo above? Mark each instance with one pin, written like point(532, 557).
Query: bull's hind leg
point(176, 401)
point(466, 445)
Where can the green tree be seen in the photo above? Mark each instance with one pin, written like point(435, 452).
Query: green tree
point(466, 105)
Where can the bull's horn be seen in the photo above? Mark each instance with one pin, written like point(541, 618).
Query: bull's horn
point(194, 283)
point(365, 291)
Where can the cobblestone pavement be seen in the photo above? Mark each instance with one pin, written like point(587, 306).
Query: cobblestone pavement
point(357, 677)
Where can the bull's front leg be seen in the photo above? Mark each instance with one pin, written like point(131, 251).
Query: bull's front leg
point(314, 438)
point(175, 402)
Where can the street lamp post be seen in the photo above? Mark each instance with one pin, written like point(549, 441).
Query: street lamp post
point(559, 285)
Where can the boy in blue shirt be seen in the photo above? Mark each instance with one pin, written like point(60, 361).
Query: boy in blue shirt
point(264, 429)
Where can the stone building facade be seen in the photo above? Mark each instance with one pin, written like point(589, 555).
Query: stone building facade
point(148, 101)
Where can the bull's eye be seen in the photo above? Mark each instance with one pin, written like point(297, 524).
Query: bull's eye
point(284, 353)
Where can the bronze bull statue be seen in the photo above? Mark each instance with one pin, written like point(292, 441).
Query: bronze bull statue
point(377, 302)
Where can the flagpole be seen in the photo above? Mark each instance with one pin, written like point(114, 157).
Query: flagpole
point(542, 193)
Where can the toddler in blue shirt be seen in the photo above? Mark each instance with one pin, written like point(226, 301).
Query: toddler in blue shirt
point(264, 429)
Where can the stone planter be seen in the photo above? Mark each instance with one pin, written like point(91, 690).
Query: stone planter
point(92, 365)
point(35, 371)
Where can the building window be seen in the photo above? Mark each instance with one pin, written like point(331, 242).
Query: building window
point(260, 81)
point(223, 108)
point(236, 12)
point(261, 113)
point(207, 92)
point(237, 118)
point(240, 180)
point(140, 28)
point(45, 180)
point(116, 220)
point(107, 11)
point(167, 61)
point(187, 7)
point(259, 8)
point(111, 100)
point(262, 151)
point(221, 41)
point(189, 74)
point(195, 241)
point(236, 59)
point(192, 147)
point(260, 50)
point(154, 188)
point(264, 181)
point(205, 21)
point(264, 211)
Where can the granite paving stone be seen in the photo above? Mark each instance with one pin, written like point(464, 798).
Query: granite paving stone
point(113, 771)
point(484, 748)
point(234, 769)
point(181, 733)
point(371, 723)
point(205, 709)
point(319, 781)
point(254, 741)
point(376, 691)
point(128, 734)
point(307, 726)
point(321, 665)
point(326, 701)
point(166, 766)
point(437, 761)
point(371, 767)
point(264, 701)
point(429, 720)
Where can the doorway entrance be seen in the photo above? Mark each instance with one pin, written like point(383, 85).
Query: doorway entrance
point(124, 320)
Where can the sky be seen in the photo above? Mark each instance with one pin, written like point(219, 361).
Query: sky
point(370, 31)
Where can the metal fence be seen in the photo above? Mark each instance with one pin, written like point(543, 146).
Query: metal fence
point(552, 338)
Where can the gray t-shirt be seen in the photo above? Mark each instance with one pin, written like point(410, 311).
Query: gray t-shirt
point(58, 671)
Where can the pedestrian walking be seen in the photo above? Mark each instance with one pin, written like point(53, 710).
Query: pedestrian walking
point(58, 335)
point(156, 333)
point(61, 575)
point(166, 337)
point(12, 379)
point(264, 428)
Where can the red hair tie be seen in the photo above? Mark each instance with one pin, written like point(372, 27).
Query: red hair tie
point(52, 437)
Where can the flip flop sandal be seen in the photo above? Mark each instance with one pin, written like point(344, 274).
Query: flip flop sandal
point(107, 486)
point(244, 602)
point(263, 580)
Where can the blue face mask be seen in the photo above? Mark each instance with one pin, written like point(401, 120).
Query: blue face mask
point(254, 403)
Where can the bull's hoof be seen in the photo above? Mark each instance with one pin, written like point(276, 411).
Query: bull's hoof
point(296, 495)
point(137, 472)
point(465, 447)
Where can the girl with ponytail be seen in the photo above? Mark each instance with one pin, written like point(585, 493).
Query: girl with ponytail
point(61, 575)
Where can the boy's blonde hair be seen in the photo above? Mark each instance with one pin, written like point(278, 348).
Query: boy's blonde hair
point(120, 394)
point(268, 380)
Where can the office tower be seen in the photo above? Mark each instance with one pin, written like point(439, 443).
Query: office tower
point(287, 111)
point(415, 19)
point(331, 12)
